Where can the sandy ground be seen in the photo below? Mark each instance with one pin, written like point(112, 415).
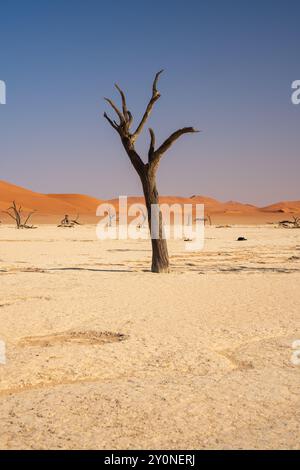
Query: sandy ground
point(103, 354)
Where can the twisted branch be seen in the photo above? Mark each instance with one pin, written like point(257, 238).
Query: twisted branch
point(170, 141)
point(155, 96)
point(128, 139)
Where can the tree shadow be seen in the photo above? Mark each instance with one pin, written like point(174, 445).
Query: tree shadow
point(124, 250)
point(92, 269)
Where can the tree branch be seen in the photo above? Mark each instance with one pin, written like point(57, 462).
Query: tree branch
point(170, 141)
point(124, 105)
point(116, 109)
point(8, 213)
point(28, 217)
point(123, 130)
point(152, 145)
point(134, 157)
point(112, 123)
point(130, 118)
point(155, 96)
point(128, 139)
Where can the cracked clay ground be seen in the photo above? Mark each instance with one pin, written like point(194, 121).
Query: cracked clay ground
point(103, 354)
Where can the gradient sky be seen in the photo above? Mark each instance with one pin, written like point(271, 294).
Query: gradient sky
point(229, 65)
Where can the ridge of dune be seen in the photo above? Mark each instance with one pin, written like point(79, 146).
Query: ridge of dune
point(212, 206)
point(59, 204)
point(238, 207)
point(204, 199)
point(30, 200)
point(283, 206)
point(83, 203)
point(162, 200)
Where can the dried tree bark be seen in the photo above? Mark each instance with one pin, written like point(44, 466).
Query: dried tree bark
point(147, 171)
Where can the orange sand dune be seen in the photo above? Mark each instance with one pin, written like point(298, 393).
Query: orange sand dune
point(284, 206)
point(50, 207)
point(163, 200)
point(212, 206)
point(31, 200)
point(83, 204)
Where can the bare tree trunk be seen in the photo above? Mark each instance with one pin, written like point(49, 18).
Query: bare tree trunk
point(147, 171)
point(160, 256)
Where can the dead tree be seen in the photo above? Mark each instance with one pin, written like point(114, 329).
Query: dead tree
point(15, 213)
point(65, 221)
point(69, 223)
point(295, 223)
point(147, 171)
point(111, 217)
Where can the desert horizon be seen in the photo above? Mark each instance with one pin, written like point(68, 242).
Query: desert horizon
point(50, 208)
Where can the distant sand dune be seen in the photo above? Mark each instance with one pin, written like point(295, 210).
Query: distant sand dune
point(50, 207)
point(31, 200)
point(285, 206)
point(81, 203)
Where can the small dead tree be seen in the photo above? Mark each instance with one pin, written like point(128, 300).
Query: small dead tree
point(15, 212)
point(66, 222)
point(207, 219)
point(147, 171)
point(111, 217)
point(295, 223)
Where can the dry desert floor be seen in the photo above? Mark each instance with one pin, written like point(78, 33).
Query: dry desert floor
point(103, 354)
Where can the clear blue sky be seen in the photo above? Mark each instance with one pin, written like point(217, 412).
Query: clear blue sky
point(229, 65)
